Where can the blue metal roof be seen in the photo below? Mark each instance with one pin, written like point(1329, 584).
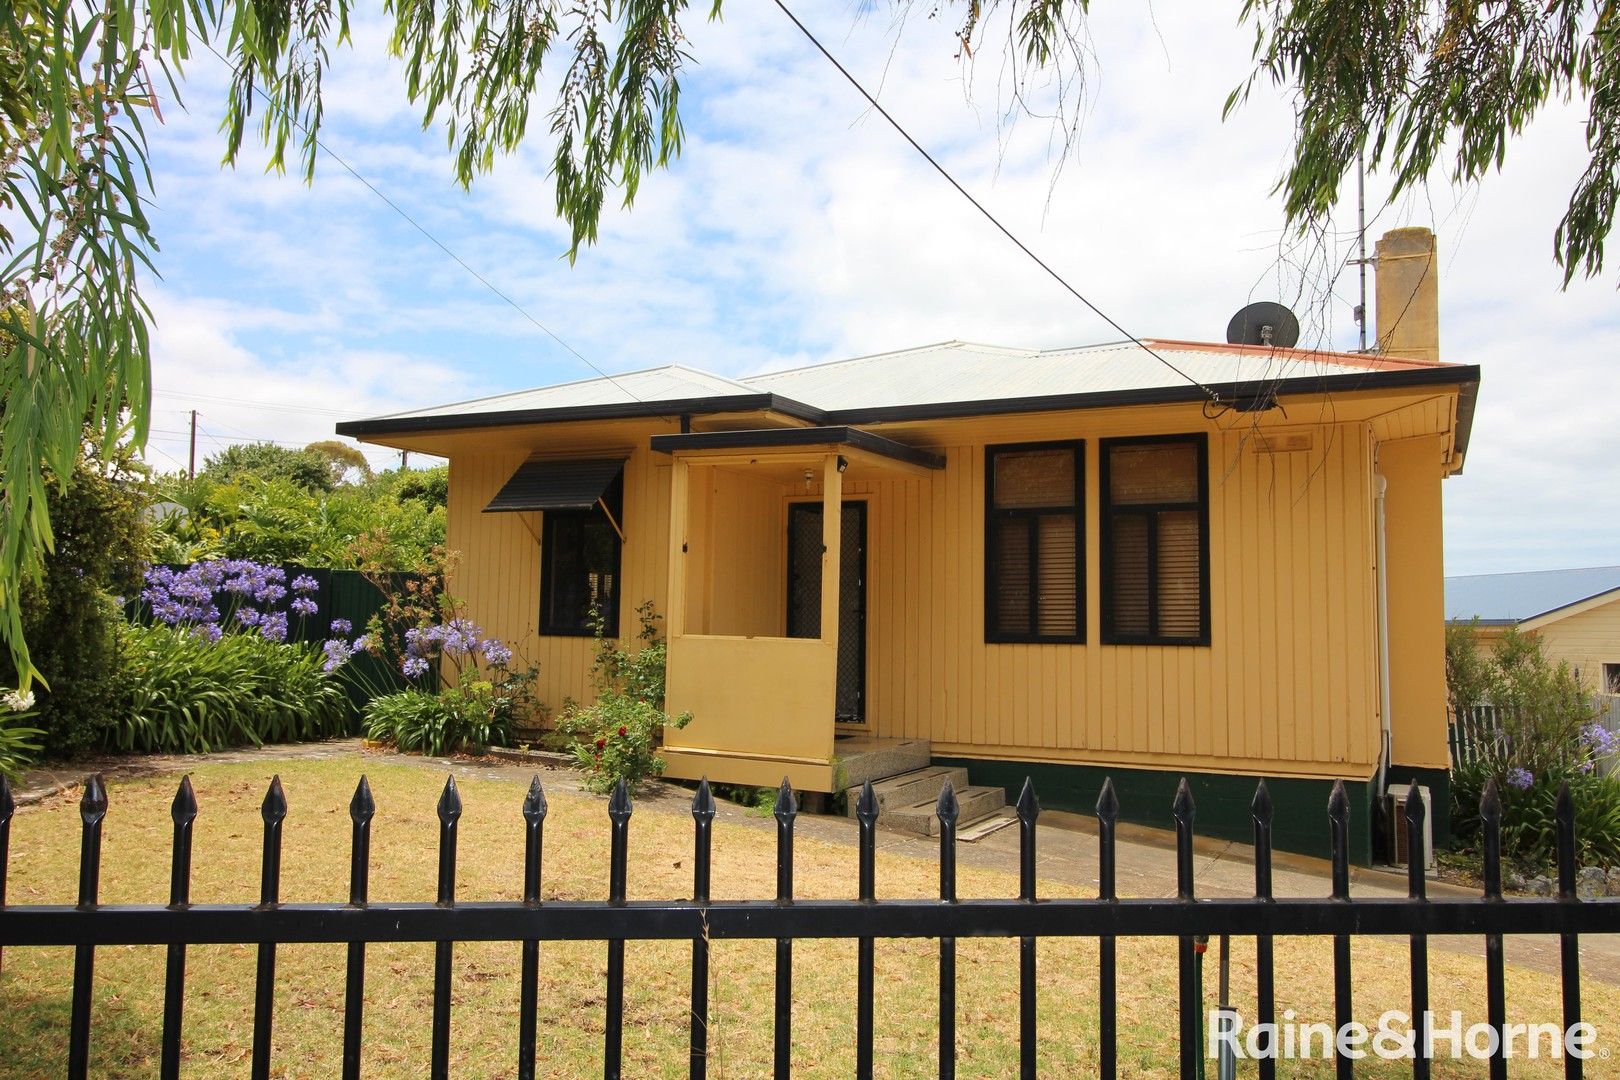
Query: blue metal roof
point(1513, 598)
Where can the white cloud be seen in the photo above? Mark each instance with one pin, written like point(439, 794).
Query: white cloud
point(799, 227)
point(199, 363)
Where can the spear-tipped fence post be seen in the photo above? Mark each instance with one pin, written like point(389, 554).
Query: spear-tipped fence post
point(1029, 808)
point(1343, 1008)
point(449, 817)
point(8, 808)
point(786, 809)
point(183, 812)
point(1417, 890)
point(1569, 945)
point(534, 823)
point(1107, 977)
point(703, 810)
point(1262, 812)
point(866, 815)
point(273, 811)
point(1190, 949)
point(947, 809)
point(362, 808)
point(92, 812)
point(619, 810)
point(1490, 816)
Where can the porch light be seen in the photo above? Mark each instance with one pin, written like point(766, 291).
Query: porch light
point(809, 476)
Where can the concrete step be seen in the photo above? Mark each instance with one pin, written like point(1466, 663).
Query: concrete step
point(978, 830)
point(919, 819)
point(908, 788)
point(861, 758)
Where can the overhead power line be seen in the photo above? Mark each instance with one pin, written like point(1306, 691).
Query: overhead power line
point(396, 208)
point(991, 218)
point(248, 404)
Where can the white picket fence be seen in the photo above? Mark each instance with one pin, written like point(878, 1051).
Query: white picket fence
point(1474, 728)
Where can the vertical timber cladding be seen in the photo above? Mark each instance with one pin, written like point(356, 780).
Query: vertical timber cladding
point(498, 573)
point(1289, 684)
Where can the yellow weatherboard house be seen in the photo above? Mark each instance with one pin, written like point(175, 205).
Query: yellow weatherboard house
point(1063, 563)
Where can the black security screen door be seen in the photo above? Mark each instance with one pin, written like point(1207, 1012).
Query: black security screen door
point(804, 597)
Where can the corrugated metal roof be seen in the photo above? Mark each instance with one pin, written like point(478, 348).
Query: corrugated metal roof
point(949, 372)
point(960, 371)
point(1513, 598)
point(673, 383)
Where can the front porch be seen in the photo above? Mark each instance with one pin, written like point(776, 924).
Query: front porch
point(766, 619)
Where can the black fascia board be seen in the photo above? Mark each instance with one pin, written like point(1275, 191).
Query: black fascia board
point(1230, 393)
point(1464, 375)
point(620, 411)
point(839, 435)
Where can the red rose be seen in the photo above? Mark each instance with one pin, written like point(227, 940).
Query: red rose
point(601, 744)
point(623, 732)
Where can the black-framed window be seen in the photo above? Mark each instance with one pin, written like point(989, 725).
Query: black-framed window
point(579, 567)
point(1034, 536)
point(1155, 540)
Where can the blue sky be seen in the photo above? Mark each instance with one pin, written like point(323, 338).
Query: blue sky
point(798, 227)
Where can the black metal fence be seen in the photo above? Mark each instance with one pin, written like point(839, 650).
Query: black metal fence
point(700, 920)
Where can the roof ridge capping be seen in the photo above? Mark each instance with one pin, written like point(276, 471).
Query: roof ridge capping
point(1522, 573)
point(1372, 360)
point(953, 343)
point(607, 378)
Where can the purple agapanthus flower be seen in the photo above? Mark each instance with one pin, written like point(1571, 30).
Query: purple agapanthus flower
point(303, 605)
point(303, 583)
point(414, 667)
point(338, 651)
point(248, 616)
point(1520, 777)
point(495, 653)
point(342, 627)
point(460, 636)
point(1599, 740)
point(274, 626)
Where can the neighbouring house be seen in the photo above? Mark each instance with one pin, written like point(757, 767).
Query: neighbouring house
point(985, 562)
point(1575, 613)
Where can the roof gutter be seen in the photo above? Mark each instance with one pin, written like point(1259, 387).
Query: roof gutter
point(386, 425)
point(1239, 393)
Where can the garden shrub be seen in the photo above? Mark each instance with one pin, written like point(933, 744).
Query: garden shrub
point(69, 617)
point(1546, 735)
point(617, 737)
point(424, 633)
point(271, 518)
point(188, 693)
point(19, 743)
point(458, 718)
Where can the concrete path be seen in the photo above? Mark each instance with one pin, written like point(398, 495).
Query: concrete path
point(1145, 858)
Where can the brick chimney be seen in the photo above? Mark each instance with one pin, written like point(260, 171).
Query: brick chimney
point(1408, 295)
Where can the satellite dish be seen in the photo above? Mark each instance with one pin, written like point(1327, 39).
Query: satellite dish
point(1264, 323)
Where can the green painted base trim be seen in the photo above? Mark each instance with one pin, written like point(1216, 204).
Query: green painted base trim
point(1438, 781)
point(1222, 800)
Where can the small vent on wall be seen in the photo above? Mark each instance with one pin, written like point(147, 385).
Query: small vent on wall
point(1281, 443)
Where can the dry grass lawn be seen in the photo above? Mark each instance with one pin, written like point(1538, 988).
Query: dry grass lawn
point(35, 983)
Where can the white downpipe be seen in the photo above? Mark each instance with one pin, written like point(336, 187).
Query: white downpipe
point(1383, 639)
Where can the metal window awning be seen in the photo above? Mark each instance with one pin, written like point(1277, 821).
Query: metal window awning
point(556, 485)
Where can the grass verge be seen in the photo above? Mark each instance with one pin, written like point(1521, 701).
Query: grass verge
point(35, 984)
